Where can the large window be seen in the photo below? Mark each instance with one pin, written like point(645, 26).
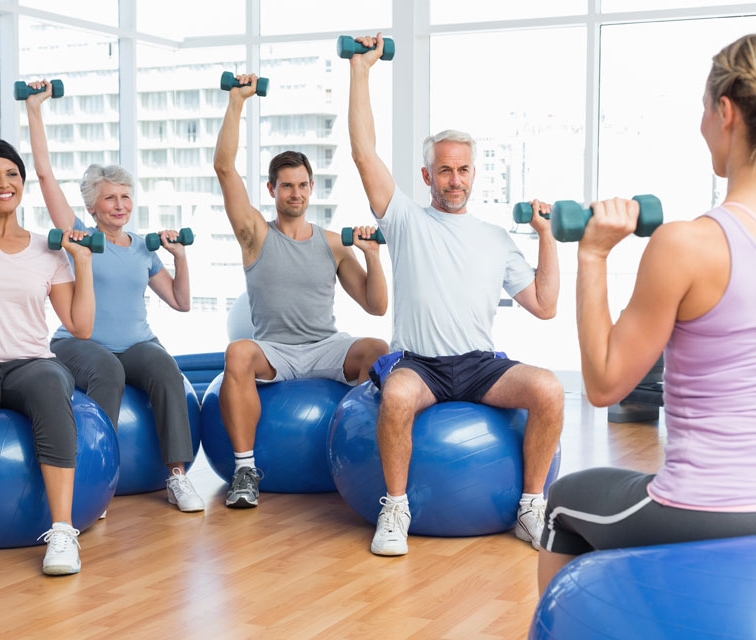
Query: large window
point(568, 99)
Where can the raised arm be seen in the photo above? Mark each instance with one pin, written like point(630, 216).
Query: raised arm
point(376, 177)
point(60, 211)
point(540, 298)
point(74, 302)
point(248, 223)
point(369, 288)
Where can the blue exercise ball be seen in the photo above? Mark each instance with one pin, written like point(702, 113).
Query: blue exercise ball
point(465, 475)
point(684, 591)
point(142, 467)
point(290, 444)
point(24, 511)
point(239, 321)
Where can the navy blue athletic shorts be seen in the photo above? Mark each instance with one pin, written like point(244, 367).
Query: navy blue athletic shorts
point(466, 377)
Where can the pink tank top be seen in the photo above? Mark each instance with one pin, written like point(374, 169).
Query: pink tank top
point(710, 393)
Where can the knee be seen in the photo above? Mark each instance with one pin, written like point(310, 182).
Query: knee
point(240, 357)
point(398, 392)
point(375, 349)
point(110, 373)
point(548, 390)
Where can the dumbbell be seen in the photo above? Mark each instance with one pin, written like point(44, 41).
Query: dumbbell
point(523, 213)
point(568, 218)
point(152, 240)
point(21, 90)
point(347, 46)
point(347, 237)
point(95, 241)
point(229, 81)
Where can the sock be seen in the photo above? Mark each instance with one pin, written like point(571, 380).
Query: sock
point(527, 498)
point(244, 459)
point(401, 498)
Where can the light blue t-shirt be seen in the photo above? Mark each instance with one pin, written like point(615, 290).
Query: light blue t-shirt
point(448, 272)
point(121, 275)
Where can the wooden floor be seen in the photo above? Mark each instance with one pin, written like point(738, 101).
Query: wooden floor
point(298, 566)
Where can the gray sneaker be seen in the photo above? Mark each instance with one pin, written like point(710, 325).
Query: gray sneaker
point(244, 491)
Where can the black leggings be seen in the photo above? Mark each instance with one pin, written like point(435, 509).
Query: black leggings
point(41, 389)
point(609, 508)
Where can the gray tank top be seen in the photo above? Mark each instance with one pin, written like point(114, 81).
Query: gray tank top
point(291, 288)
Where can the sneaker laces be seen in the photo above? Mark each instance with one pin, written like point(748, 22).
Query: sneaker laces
point(59, 539)
point(392, 512)
point(246, 475)
point(537, 507)
point(180, 483)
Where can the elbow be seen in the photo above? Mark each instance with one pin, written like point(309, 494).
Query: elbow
point(82, 334)
point(379, 310)
point(601, 397)
point(546, 312)
point(221, 167)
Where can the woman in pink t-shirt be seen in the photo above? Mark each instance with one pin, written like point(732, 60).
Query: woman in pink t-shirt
point(32, 381)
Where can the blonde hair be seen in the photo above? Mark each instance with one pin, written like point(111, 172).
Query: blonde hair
point(733, 75)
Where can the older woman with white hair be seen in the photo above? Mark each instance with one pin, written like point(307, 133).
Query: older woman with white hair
point(123, 349)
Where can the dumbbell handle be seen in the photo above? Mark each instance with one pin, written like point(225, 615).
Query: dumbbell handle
point(649, 218)
point(229, 81)
point(95, 242)
point(153, 242)
point(21, 90)
point(523, 213)
point(347, 237)
point(347, 46)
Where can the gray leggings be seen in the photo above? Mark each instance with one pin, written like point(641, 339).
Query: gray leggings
point(609, 508)
point(103, 374)
point(41, 389)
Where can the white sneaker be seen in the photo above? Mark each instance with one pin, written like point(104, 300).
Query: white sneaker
point(62, 555)
point(390, 537)
point(182, 493)
point(530, 519)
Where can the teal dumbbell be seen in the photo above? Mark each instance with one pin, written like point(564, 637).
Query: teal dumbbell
point(347, 237)
point(153, 242)
point(568, 218)
point(95, 242)
point(229, 81)
point(346, 47)
point(21, 90)
point(523, 213)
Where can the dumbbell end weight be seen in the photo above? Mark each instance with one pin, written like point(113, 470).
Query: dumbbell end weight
point(523, 213)
point(651, 215)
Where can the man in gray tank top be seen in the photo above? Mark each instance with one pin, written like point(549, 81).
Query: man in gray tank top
point(291, 267)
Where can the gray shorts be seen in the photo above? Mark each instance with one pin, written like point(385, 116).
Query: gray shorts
point(609, 508)
point(324, 359)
